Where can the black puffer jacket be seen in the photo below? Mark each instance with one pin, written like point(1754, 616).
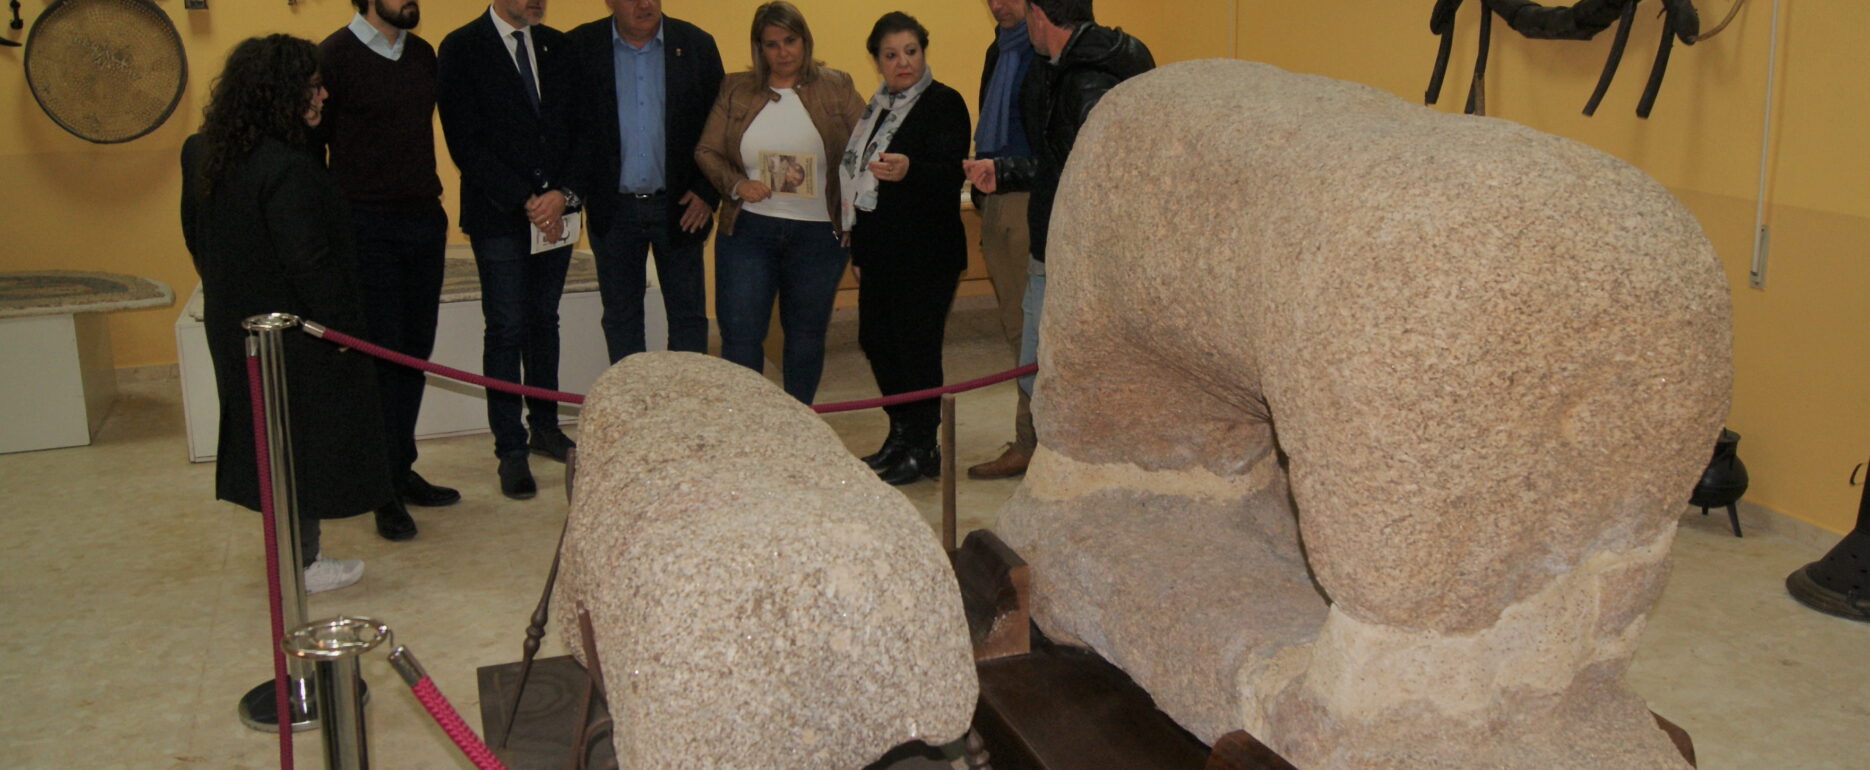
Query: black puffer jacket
point(1055, 101)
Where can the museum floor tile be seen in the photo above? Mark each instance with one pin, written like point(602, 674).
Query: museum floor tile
point(135, 612)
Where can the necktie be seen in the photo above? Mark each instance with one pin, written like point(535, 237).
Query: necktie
point(525, 69)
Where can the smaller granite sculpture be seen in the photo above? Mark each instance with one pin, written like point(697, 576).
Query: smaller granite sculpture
point(758, 597)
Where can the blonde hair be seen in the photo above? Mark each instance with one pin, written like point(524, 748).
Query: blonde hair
point(786, 16)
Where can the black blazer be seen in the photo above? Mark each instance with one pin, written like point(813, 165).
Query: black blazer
point(275, 237)
point(691, 66)
point(505, 150)
point(917, 223)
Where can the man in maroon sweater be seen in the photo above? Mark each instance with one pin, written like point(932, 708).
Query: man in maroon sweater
point(379, 128)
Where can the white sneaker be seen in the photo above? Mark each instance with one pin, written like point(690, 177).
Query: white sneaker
point(328, 574)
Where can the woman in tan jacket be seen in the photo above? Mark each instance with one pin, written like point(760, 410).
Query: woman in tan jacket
point(772, 146)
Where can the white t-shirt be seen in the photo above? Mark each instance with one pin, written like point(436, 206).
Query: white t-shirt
point(783, 149)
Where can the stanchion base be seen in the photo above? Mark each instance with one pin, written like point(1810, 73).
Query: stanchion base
point(260, 710)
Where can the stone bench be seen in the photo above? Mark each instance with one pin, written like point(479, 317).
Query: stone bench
point(59, 379)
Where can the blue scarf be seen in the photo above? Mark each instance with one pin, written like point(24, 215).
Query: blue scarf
point(999, 110)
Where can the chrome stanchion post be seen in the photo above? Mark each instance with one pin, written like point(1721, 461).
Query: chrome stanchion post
point(266, 339)
point(334, 646)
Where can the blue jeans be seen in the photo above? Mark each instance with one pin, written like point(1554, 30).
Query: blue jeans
point(800, 263)
point(1031, 304)
point(519, 299)
point(642, 225)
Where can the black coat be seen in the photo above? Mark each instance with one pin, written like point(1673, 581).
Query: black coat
point(692, 73)
point(916, 226)
point(1055, 100)
point(505, 150)
point(275, 237)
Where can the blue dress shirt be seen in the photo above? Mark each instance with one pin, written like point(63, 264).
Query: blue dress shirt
point(640, 97)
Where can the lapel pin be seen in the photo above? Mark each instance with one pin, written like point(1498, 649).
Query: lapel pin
point(678, 53)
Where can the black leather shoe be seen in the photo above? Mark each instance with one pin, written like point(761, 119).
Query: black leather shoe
point(516, 477)
point(915, 465)
point(891, 452)
point(394, 522)
point(418, 491)
point(553, 443)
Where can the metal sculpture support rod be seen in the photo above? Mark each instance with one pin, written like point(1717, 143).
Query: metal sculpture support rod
point(1648, 102)
point(1613, 60)
point(266, 340)
point(535, 631)
point(334, 646)
point(1477, 90)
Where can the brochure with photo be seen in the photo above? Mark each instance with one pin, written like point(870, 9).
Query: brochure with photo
point(789, 173)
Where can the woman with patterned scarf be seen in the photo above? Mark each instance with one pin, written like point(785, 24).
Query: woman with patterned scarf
point(901, 184)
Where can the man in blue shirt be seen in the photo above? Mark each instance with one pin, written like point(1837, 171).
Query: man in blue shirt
point(649, 83)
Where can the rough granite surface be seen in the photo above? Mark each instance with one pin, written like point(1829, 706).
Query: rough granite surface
point(1363, 427)
point(759, 599)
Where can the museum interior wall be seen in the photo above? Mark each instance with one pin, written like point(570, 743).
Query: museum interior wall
point(1802, 357)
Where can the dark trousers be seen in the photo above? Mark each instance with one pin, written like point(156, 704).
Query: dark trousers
point(400, 259)
point(309, 530)
point(901, 317)
point(800, 263)
point(519, 299)
point(641, 225)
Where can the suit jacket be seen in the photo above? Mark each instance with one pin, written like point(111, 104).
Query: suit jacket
point(692, 75)
point(505, 150)
point(275, 237)
point(916, 227)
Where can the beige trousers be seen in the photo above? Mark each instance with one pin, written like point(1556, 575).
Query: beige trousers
point(1005, 246)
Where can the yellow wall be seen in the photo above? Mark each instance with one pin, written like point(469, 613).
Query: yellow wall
point(70, 204)
point(1801, 349)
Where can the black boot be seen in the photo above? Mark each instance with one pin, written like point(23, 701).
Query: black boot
point(892, 450)
point(919, 461)
point(394, 522)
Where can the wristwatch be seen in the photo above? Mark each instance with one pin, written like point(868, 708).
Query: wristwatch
point(572, 199)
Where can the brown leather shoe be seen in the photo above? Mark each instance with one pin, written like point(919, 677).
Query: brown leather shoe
point(1011, 462)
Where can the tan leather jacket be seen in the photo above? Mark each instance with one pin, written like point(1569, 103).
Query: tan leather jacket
point(829, 98)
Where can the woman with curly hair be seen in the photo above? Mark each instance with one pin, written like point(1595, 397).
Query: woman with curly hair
point(269, 233)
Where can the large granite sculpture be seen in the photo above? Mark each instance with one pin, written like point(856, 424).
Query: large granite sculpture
point(758, 598)
point(1363, 427)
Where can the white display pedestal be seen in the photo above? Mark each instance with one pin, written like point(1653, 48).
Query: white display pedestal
point(57, 380)
point(448, 408)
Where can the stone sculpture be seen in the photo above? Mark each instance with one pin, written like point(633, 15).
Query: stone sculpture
point(1363, 427)
point(758, 598)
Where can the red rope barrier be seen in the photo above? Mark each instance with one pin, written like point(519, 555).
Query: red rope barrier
point(450, 721)
point(282, 702)
point(370, 348)
point(918, 395)
point(452, 373)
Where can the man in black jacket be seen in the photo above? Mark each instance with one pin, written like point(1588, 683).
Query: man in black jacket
point(649, 82)
point(506, 89)
point(1080, 62)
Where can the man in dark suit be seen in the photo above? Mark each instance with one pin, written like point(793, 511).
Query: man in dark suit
point(649, 82)
point(506, 90)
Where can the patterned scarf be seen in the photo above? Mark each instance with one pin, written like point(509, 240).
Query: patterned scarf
point(857, 185)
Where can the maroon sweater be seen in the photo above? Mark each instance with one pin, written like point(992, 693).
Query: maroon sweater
point(379, 123)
